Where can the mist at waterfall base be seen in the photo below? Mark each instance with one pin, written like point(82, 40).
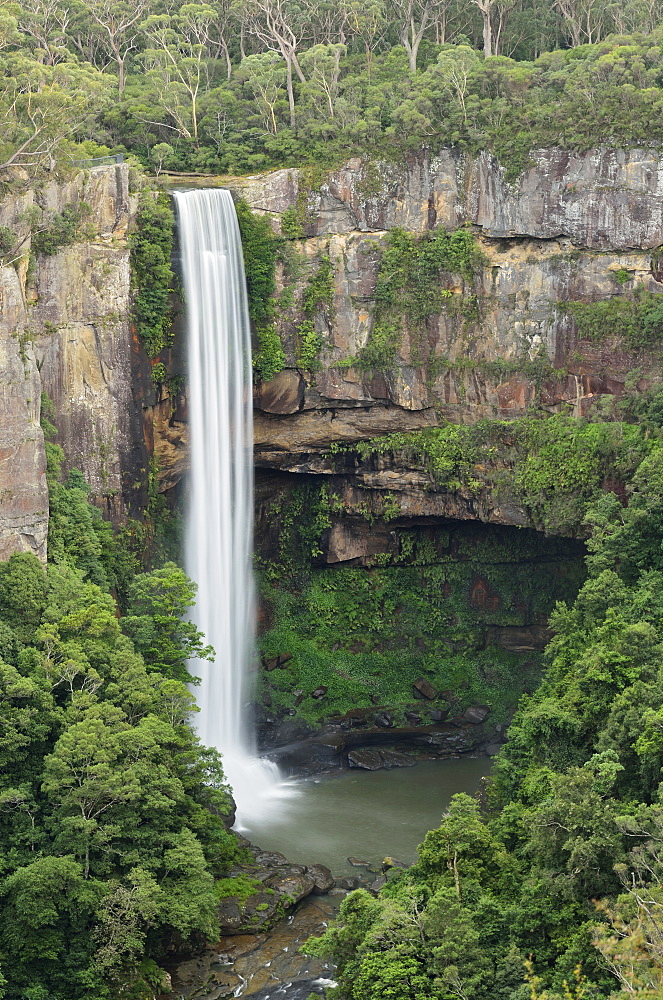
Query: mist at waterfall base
point(219, 518)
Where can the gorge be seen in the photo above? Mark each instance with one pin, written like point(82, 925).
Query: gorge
point(460, 368)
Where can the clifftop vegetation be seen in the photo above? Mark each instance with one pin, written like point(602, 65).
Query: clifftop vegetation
point(241, 86)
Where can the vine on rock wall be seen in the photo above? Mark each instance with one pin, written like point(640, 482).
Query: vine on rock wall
point(260, 247)
point(318, 297)
point(411, 288)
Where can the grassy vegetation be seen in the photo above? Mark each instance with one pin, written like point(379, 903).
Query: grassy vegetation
point(636, 318)
point(553, 466)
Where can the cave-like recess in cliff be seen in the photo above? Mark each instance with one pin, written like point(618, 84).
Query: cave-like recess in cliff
point(364, 606)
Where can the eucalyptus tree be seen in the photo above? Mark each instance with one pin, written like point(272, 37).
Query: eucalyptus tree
point(42, 106)
point(367, 20)
point(265, 76)
point(585, 20)
point(117, 22)
point(412, 18)
point(281, 26)
point(323, 65)
point(177, 64)
point(47, 23)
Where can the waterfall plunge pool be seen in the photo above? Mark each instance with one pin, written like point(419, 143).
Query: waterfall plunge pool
point(368, 815)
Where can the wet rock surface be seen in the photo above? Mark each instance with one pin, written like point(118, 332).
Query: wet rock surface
point(361, 740)
point(260, 964)
point(279, 886)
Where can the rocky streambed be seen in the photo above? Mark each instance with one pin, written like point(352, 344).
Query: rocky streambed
point(334, 834)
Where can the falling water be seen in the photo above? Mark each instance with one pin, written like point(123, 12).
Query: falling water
point(219, 530)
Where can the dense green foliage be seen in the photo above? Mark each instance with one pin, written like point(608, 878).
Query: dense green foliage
point(557, 879)
point(635, 318)
point(552, 465)
point(112, 830)
point(367, 633)
point(238, 87)
point(152, 276)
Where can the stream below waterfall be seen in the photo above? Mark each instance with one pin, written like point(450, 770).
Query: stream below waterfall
point(366, 814)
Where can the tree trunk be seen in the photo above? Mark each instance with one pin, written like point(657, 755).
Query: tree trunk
point(291, 96)
point(487, 33)
point(229, 65)
point(298, 69)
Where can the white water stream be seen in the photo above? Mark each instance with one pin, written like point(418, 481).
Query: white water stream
point(219, 523)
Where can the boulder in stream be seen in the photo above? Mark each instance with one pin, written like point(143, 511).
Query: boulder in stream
point(369, 760)
point(322, 878)
point(394, 758)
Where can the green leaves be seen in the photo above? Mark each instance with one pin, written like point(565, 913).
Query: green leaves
point(151, 246)
point(112, 816)
point(412, 285)
point(154, 621)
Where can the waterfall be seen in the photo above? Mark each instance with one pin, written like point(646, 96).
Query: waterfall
point(219, 520)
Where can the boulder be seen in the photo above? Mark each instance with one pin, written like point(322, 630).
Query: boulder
point(390, 862)
point(357, 863)
point(424, 689)
point(383, 719)
point(476, 714)
point(270, 858)
point(282, 394)
point(369, 760)
point(291, 884)
point(438, 714)
point(378, 884)
point(348, 883)
point(319, 692)
point(323, 880)
point(393, 758)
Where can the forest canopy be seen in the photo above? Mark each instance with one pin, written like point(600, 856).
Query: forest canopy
point(242, 85)
point(113, 817)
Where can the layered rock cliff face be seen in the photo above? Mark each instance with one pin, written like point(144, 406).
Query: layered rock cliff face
point(65, 330)
point(574, 227)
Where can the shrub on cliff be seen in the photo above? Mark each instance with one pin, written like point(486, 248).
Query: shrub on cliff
point(152, 276)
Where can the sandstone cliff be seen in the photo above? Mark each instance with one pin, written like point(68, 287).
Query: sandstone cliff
point(65, 330)
point(574, 227)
